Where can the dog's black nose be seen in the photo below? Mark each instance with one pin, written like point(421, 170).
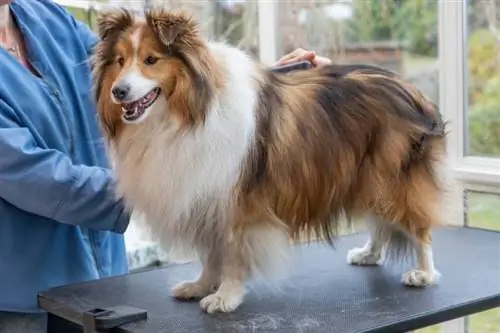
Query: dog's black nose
point(120, 92)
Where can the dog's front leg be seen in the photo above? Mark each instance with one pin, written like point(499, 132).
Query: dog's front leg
point(232, 288)
point(206, 284)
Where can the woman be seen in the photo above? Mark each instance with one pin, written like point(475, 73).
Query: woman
point(59, 220)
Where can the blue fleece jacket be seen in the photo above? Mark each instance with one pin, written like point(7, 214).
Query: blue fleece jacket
point(59, 220)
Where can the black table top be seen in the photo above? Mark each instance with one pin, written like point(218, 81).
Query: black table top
point(323, 294)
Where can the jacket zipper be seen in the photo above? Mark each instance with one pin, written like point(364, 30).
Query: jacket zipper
point(71, 150)
point(55, 92)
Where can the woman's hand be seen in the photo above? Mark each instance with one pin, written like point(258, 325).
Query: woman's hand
point(301, 55)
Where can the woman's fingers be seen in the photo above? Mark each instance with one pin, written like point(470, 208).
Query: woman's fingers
point(295, 56)
point(300, 55)
point(321, 61)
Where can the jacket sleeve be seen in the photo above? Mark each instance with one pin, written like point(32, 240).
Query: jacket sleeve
point(45, 182)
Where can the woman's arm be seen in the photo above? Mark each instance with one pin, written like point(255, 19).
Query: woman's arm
point(45, 182)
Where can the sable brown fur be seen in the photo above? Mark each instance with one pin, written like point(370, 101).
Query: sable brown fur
point(344, 140)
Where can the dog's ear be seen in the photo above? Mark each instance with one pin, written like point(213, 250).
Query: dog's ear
point(111, 21)
point(172, 27)
point(196, 88)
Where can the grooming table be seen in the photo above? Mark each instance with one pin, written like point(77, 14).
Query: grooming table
point(323, 294)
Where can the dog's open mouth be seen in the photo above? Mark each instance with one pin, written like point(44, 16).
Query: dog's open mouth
point(134, 110)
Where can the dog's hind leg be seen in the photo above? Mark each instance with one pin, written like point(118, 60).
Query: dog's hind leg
point(425, 273)
point(422, 211)
point(391, 241)
point(371, 253)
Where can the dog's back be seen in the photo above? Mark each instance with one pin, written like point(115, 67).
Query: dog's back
point(351, 140)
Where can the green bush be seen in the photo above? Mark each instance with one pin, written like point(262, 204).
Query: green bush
point(411, 21)
point(484, 120)
point(483, 60)
point(417, 24)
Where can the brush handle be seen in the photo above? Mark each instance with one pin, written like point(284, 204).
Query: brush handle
point(301, 65)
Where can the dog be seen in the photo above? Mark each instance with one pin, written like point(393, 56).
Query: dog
point(230, 160)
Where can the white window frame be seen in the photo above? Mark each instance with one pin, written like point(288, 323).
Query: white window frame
point(268, 31)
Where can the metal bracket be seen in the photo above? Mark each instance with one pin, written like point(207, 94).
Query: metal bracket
point(97, 320)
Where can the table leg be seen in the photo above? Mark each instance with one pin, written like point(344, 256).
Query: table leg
point(56, 324)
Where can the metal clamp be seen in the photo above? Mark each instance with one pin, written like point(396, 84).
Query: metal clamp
point(98, 320)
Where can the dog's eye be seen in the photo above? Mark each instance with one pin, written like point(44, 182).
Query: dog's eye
point(150, 60)
point(121, 61)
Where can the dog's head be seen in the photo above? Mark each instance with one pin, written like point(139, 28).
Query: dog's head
point(157, 64)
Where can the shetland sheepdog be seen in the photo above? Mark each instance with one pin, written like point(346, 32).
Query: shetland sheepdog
point(230, 160)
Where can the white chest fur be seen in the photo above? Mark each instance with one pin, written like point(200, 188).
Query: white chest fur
point(183, 183)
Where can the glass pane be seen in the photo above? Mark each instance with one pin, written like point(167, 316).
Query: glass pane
point(86, 16)
point(483, 111)
point(234, 21)
point(398, 35)
point(483, 211)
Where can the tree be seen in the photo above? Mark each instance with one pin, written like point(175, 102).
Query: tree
point(411, 21)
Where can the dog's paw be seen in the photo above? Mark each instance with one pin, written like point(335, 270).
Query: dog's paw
point(363, 257)
point(420, 278)
point(192, 290)
point(221, 302)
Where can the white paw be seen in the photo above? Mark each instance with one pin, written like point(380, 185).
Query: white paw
point(221, 302)
point(192, 289)
point(362, 256)
point(419, 278)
